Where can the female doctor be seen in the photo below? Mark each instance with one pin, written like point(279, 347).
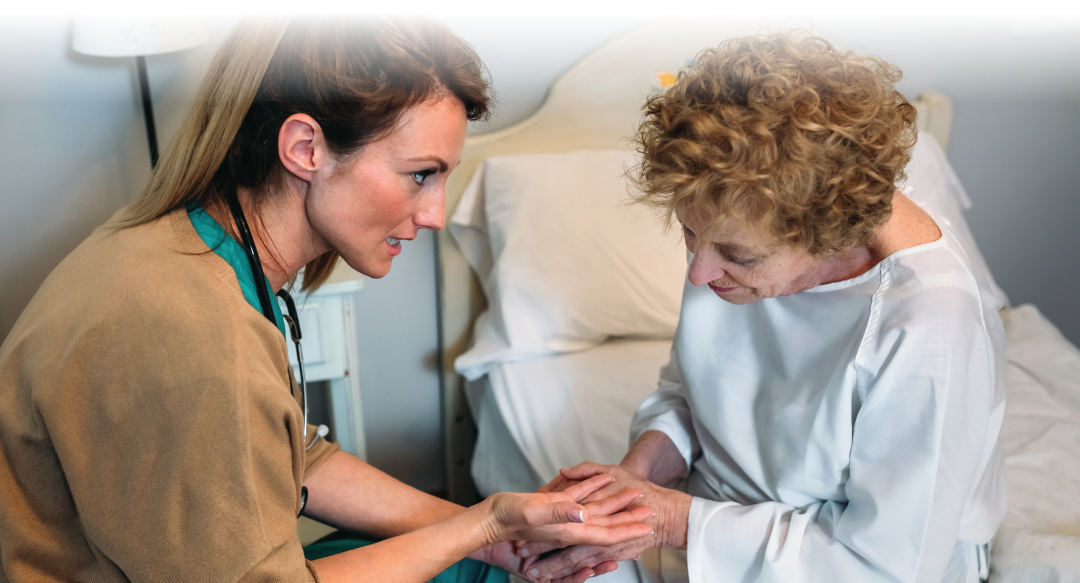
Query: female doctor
point(835, 389)
point(150, 427)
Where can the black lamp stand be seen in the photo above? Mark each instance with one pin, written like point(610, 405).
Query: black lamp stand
point(148, 109)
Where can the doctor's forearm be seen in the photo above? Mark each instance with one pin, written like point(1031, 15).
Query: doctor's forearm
point(655, 458)
point(410, 558)
point(347, 493)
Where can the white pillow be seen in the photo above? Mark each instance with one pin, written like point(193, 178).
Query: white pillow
point(565, 260)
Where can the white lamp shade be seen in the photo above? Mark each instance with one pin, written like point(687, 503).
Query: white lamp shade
point(130, 37)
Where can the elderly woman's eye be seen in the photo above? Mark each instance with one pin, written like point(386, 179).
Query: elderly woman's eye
point(740, 261)
point(686, 231)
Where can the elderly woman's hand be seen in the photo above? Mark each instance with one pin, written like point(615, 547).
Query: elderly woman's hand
point(672, 510)
point(566, 518)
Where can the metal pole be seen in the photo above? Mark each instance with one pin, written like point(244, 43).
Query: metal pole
point(148, 110)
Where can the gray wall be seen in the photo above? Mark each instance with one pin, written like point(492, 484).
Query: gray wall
point(72, 151)
point(73, 146)
point(395, 324)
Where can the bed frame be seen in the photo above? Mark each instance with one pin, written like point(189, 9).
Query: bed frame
point(594, 105)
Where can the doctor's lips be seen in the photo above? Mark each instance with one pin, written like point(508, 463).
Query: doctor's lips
point(395, 245)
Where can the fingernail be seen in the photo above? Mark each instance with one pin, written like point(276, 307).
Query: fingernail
point(534, 572)
point(523, 553)
point(566, 571)
point(549, 576)
point(577, 515)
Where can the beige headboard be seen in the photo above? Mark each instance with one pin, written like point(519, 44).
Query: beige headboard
point(595, 105)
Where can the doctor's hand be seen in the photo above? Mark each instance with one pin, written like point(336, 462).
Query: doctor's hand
point(669, 523)
point(564, 518)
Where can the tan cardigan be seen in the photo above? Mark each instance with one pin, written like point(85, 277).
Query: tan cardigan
point(147, 432)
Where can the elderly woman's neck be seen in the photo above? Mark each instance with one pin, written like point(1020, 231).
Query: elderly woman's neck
point(909, 226)
point(847, 265)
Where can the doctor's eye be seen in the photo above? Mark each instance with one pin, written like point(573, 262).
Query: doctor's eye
point(420, 176)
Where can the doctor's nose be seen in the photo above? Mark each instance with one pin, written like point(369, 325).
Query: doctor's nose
point(702, 270)
point(432, 216)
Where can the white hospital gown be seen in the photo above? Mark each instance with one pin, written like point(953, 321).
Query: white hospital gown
point(845, 433)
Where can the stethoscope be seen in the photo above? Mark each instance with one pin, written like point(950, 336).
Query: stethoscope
point(290, 317)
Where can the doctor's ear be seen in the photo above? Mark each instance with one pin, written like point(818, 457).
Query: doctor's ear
point(302, 146)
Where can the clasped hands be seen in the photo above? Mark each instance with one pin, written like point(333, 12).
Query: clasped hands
point(668, 510)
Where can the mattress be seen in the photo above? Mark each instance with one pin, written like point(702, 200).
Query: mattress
point(538, 416)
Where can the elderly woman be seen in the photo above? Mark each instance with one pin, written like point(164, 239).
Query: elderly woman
point(834, 394)
point(150, 427)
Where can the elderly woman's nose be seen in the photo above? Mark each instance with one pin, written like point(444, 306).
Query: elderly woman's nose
point(702, 270)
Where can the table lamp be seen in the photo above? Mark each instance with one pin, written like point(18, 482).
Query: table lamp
point(131, 37)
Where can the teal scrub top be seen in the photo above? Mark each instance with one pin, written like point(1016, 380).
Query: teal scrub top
point(227, 248)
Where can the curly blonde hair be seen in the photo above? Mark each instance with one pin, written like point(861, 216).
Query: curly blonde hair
point(782, 129)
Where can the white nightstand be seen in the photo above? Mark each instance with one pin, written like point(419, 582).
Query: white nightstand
point(328, 325)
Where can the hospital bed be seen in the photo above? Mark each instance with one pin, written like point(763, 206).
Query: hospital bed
point(569, 318)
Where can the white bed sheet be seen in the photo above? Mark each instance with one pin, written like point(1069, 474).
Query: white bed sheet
point(559, 411)
point(538, 416)
point(1039, 539)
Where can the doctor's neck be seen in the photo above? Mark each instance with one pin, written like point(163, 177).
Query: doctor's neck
point(283, 237)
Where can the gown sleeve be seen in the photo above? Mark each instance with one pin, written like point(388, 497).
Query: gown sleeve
point(667, 410)
point(931, 402)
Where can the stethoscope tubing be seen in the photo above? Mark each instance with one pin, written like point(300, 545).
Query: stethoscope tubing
point(252, 254)
point(291, 319)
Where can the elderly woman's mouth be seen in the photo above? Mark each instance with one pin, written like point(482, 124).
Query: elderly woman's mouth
point(721, 290)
